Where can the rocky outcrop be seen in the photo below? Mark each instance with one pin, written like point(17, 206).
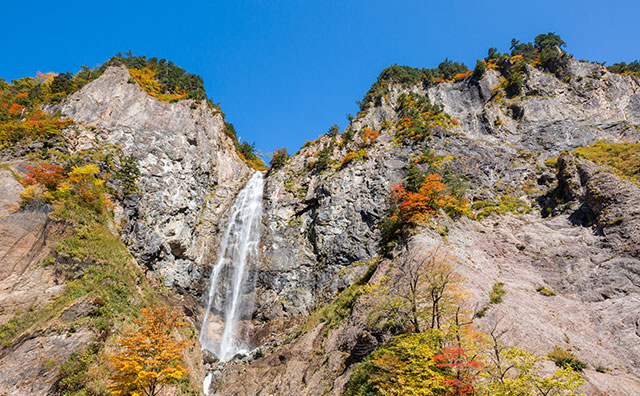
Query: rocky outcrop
point(189, 171)
point(321, 228)
point(319, 223)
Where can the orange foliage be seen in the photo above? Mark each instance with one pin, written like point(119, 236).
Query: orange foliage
point(369, 136)
point(151, 357)
point(417, 207)
point(47, 175)
point(462, 76)
point(45, 78)
point(16, 109)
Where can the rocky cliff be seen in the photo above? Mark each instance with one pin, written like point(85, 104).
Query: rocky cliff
point(189, 173)
point(572, 228)
point(542, 215)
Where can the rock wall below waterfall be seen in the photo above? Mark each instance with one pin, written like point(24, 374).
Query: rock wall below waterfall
point(572, 229)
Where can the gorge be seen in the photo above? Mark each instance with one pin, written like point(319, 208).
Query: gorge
point(516, 182)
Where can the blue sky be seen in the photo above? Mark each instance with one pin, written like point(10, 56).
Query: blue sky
point(285, 71)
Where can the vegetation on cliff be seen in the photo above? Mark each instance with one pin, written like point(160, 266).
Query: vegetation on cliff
point(98, 271)
point(546, 52)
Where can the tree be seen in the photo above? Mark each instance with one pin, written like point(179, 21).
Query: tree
point(150, 357)
point(515, 372)
point(324, 157)
point(414, 179)
point(279, 158)
point(422, 295)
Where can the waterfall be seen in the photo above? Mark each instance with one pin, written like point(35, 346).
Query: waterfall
point(231, 288)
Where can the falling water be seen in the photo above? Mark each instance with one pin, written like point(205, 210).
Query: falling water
point(230, 298)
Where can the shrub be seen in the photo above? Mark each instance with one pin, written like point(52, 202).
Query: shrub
point(417, 117)
point(480, 69)
point(415, 178)
point(417, 207)
point(623, 68)
point(353, 155)
point(497, 292)
point(48, 175)
point(566, 359)
point(324, 158)
point(623, 158)
point(545, 291)
point(279, 158)
point(369, 137)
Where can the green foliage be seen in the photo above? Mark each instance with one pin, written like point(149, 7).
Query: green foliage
point(248, 151)
point(72, 376)
point(348, 134)
point(417, 117)
point(566, 360)
point(623, 158)
point(409, 76)
point(341, 306)
point(334, 130)
point(545, 291)
point(391, 231)
point(480, 69)
point(505, 204)
point(128, 173)
point(404, 366)
point(414, 179)
point(324, 157)
point(172, 79)
point(279, 159)
point(497, 292)
point(495, 297)
point(632, 68)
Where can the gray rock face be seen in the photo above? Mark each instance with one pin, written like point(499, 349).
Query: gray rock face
point(322, 227)
point(319, 223)
point(189, 171)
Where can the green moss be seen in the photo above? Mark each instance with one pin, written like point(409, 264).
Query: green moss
point(623, 158)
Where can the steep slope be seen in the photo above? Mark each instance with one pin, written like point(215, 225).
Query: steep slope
point(189, 170)
point(323, 228)
point(127, 168)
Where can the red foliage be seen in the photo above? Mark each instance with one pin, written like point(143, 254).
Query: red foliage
point(460, 383)
point(47, 175)
point(418, 206)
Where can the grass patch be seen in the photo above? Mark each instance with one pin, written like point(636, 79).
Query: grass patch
point(623, 158)
point(545, 291)
point(341, 306)
point(495, 297)
point(566, 359)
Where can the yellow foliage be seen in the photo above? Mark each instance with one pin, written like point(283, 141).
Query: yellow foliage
point(151, 357)
point(146, 77)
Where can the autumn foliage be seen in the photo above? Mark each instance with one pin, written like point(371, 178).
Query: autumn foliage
point(48, 175)
point(417, 207)
point(369, 136)
point(151, 357)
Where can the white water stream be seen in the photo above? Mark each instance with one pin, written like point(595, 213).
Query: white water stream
point(231, 291)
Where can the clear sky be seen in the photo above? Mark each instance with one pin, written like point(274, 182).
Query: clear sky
point(285, 71)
